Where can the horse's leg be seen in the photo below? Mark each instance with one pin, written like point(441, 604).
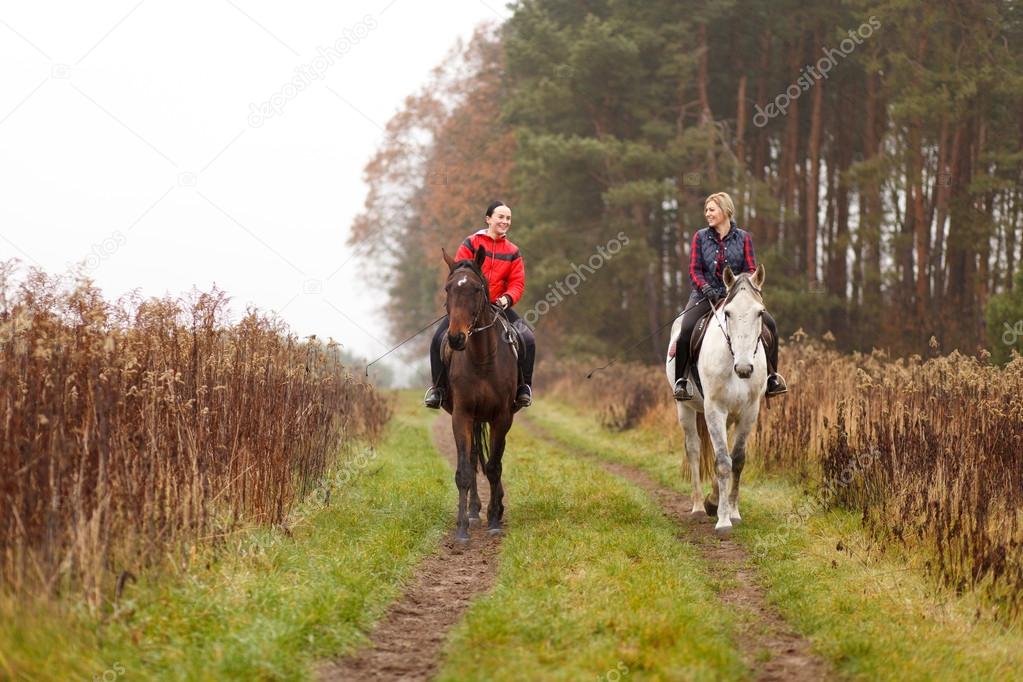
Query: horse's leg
point(687, 419)
point(717, 426)
point(474, 497)
point(495, 510)
point(710, 505)
point(742, 431)
point(461, 425)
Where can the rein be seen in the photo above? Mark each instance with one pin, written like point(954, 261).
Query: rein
point(485, 303)
point(473, 328)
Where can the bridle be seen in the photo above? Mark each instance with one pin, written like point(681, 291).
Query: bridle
point(484, 303)
point(723, 324)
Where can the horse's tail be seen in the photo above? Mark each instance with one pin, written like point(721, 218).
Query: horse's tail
point(706, 447)
point(480, 445)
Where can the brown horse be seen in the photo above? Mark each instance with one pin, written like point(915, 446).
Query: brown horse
point(482, 378)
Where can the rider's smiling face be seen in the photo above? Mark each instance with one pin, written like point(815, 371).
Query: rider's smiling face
point(500, 222)
point(714, 215)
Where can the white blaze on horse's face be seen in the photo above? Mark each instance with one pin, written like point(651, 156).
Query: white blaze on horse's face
point(462, 281)
point(743, 318)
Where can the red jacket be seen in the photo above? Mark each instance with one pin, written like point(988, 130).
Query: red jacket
point(503, 267)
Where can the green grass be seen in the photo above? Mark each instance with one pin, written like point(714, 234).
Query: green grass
point(593, 584)
point(864, 606)
point(269, 606)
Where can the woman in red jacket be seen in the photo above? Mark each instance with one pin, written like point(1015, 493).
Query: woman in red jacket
point(506, 276)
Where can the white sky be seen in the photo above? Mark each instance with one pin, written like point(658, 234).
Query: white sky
point(129, 122)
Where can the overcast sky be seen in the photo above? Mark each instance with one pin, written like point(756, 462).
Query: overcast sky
point(134, 137)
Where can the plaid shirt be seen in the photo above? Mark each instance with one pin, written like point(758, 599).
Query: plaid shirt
point(710, 254)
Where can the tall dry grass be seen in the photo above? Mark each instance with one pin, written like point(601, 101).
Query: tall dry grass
point(138, 430)
point(930, 451)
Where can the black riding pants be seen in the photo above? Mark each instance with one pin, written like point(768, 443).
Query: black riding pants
point(685, 336)
point(525, 360)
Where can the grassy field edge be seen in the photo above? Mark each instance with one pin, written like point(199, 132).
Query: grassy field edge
point(269, 605)
point(864, 607)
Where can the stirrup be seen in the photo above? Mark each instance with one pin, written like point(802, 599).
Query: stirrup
point(433, 398)
point(779, 388)
point(681, 390)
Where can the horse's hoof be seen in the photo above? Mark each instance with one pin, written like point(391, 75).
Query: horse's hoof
point(698, 513)
point(474, 522)
point(462, 537)
point(722, 531)
point(710, 508)
point(736, 520)
point(495, 531)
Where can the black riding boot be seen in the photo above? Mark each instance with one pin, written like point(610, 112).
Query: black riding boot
point(694, 311)
point(775, 382)
point(776, 385)
point(435, 395)
point(524, 392)
point(524, 396)
point(681, 390)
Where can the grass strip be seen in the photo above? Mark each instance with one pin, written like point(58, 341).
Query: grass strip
point(862, 605)
point(593, 584)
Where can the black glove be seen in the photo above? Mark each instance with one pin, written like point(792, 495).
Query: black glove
point(711, 293)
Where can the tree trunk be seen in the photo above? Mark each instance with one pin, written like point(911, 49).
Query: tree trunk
point(760, 150)
point(740, 127)
point(789, 157)
point(706, 118)
point(870, 216)
point(813, 179)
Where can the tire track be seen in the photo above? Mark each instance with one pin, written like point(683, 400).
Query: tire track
point(407, 643)
point(764, 632)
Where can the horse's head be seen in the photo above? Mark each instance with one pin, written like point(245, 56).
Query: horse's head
point(467, 297)
point(743, 310)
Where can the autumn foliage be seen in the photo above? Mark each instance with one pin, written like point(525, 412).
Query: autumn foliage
point(135, 431)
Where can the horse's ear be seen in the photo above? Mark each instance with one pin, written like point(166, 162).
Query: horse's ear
point(759, 276)
point(728, 277)
point(481, 255)
point(447, 259)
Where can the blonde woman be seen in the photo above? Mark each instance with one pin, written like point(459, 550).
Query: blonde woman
point(719, 244)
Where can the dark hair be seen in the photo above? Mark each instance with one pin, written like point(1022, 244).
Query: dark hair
point(491, 207)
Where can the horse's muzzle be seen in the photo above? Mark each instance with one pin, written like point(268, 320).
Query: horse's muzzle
point(457, 341)
point(744, 370)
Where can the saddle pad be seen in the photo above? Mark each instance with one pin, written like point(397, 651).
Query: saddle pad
point(700, 331)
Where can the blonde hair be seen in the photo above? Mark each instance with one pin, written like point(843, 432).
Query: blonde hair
point(723, 201)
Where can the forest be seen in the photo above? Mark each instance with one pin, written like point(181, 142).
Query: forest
point(873, 148)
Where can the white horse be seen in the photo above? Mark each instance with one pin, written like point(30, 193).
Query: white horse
point(733, 370)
